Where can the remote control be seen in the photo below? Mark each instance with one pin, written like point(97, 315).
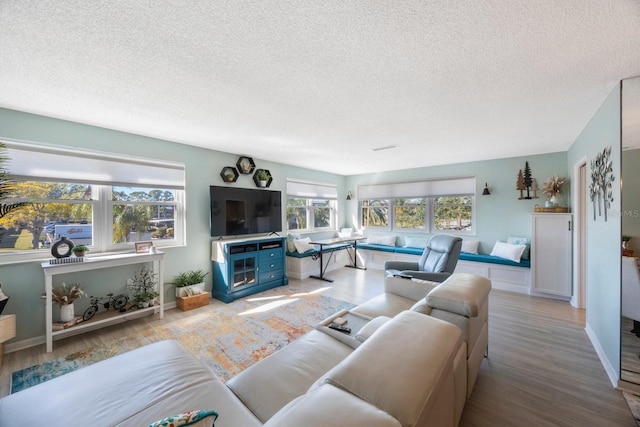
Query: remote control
point(343, 329)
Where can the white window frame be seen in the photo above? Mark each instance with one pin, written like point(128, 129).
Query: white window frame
point(125, 169)
point(429, 190)
point(310, 191)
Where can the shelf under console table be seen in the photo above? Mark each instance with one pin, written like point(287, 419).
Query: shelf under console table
point(94, 263)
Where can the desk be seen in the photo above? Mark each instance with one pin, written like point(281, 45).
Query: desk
point(350, 242)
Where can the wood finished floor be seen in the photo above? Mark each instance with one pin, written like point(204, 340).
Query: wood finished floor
point(541, 371)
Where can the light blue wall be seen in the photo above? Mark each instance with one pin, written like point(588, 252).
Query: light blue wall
point(603, 238)
point(24, 282)
point(497, 216)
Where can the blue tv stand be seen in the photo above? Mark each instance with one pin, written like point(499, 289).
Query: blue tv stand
point(245, 267)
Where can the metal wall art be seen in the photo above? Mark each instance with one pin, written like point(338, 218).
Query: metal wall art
point(600, 188)
point(526, 182)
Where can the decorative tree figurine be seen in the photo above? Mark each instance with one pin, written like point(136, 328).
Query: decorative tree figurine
point(534, 188)
point(520, 184)
point(527, 178)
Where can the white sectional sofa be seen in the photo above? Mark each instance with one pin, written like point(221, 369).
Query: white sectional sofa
point(410, 368)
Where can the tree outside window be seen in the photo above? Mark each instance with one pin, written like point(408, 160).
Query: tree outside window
point(375, 213)
point(410, 213)
point(453, 213)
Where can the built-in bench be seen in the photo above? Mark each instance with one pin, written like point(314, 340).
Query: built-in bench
point(504, 274)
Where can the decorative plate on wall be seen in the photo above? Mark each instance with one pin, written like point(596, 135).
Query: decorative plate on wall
point(245, 165)
point(229, 174)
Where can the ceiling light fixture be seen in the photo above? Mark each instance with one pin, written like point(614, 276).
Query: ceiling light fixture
point(388, 147)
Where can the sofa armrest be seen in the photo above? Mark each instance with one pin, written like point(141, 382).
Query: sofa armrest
point(462, 294)
point(400, 265)
point(413, 289)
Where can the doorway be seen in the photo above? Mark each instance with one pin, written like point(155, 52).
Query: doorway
point(579, 298)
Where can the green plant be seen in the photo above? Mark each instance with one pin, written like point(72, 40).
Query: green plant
point(188, 278)
point(626, 238)
point(143, 285)
point(68, 294)
point(263, 175)
point(80, 248)
point(6, 188)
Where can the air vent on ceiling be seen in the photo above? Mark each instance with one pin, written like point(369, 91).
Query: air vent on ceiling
point(388, 147)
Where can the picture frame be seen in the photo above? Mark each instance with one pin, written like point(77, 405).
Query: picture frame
point(143, 247)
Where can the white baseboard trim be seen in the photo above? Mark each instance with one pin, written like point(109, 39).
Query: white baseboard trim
point(611, 372)
point(32, 342)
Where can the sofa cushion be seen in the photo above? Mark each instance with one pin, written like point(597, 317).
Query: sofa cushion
point(267, 386)
point(386, 304)
point(330, 406)
point(405, 384)
point(132, 389)
point(461, 293)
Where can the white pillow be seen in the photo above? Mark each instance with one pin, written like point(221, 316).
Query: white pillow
point(470, 246)
point(415, 242)
point(302, 245)
point(508, 251)
point(382, 240)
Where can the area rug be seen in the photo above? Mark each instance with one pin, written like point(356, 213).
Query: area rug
point(227, 339)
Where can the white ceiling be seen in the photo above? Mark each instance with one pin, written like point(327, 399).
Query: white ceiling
point(318, 84)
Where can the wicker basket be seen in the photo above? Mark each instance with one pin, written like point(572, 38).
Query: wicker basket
point(555, 209)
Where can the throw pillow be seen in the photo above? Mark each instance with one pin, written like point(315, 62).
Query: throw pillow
point(507, 251)
point(415, 242)
point(290, 238)
point(200, 418)
point(521, 241)
point(378, 239)
point(302, 245)
point(470, 246)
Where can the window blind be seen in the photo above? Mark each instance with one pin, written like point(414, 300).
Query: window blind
point(432, 188)
point(311, 190)
point(67, 164)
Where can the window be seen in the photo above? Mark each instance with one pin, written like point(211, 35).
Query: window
point(311, 207)
point(410, 213)
point(453, 213)
point(128, 200)
point(375, 213)
point(430, 206)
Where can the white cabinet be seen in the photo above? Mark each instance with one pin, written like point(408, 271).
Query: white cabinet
point(551, 248)
point(94, 263)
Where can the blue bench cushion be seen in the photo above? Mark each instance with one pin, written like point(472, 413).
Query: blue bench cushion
point(378, 247)
point(493, 260)
point(413, 251)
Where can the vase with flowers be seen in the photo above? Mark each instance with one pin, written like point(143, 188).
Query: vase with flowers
point(552, 188)
point(65, 297)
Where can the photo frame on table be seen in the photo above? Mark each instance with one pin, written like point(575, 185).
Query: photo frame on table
point(143, 247)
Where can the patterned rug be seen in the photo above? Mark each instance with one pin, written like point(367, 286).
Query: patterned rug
point(227, 339)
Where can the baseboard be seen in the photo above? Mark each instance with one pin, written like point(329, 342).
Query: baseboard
point(609, 369)
point(32, 342)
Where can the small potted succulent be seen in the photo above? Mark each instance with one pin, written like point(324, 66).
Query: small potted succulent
point(263, 177)
point(79, 250)
point(189, 283)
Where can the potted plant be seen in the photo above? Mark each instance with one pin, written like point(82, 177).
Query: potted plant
point(625, 240)
point(143, 287)
point(189, 283)
point(79, 250)
point(263, 177)
point(65, 298)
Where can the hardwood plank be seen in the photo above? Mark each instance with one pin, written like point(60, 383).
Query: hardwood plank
point(541, 369)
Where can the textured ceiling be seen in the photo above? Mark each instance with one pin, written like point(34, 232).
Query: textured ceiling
point(318, 84)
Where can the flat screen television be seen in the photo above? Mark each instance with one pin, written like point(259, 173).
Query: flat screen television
point(237, 211)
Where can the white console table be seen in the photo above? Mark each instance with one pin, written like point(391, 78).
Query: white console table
point(94, 263)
